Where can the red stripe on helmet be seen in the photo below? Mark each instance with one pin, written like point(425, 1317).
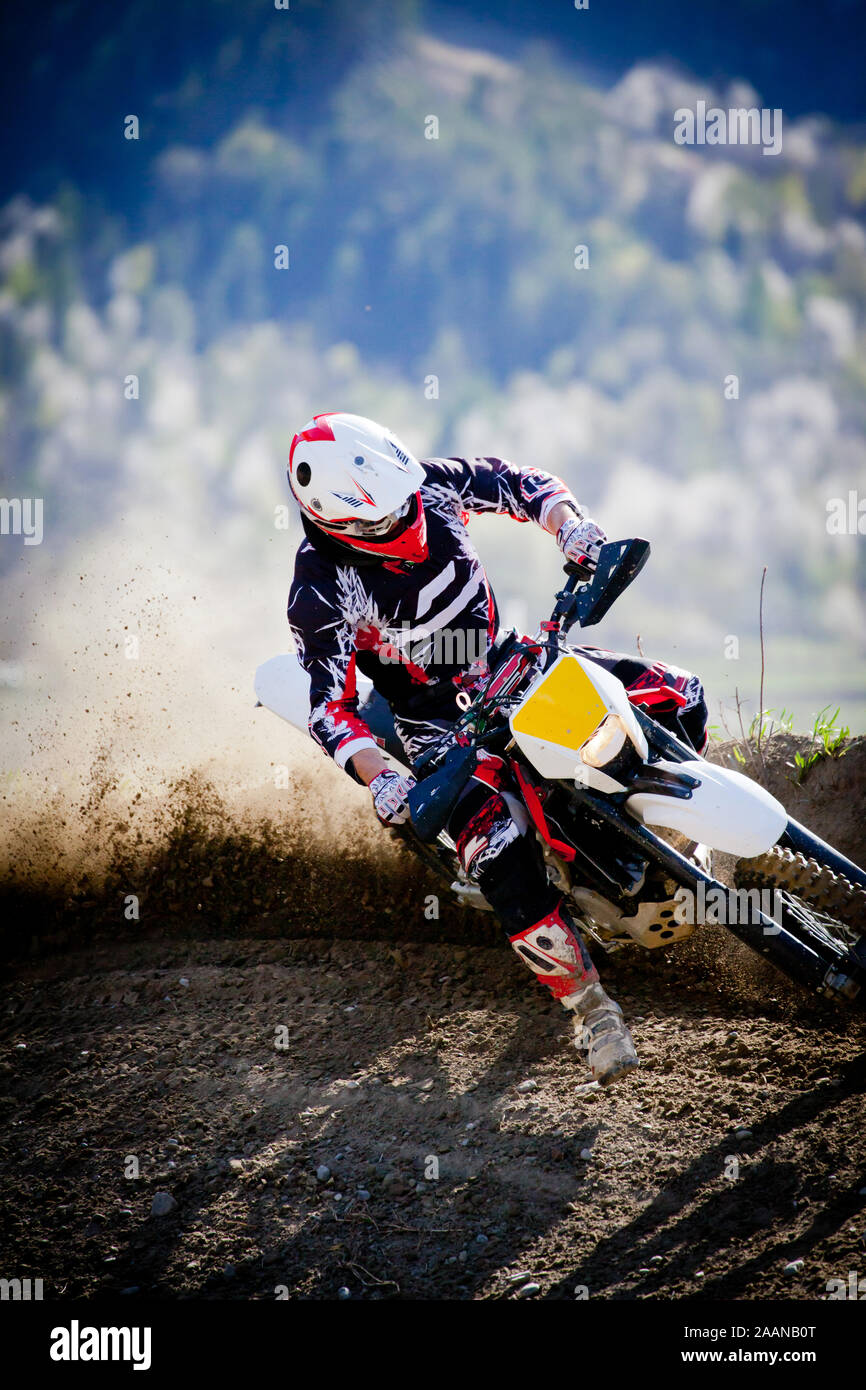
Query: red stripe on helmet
point(318, 431)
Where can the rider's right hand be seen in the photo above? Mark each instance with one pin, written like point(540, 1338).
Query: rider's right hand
point(390, 796)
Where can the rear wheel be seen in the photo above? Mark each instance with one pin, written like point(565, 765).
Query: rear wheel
point(445, 864)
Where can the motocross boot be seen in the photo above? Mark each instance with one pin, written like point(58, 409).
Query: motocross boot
point(555, 953)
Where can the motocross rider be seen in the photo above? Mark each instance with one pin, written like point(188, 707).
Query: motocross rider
point(386, 571)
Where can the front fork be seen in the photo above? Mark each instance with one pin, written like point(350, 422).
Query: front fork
point(826, 970)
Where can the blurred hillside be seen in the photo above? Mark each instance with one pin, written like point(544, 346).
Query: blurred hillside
point(453, 258)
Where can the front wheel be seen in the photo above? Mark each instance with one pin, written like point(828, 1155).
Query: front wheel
point(812, 947)
point(813, 883)
point(822, 909)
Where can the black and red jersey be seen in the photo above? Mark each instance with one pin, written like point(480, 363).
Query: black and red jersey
point(406, 628)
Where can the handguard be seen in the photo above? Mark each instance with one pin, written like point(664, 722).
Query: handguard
point(619, 562)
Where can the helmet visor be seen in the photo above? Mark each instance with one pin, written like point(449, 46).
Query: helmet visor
point(370, 530)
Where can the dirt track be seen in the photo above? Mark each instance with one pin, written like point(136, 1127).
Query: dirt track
point(400, 1055)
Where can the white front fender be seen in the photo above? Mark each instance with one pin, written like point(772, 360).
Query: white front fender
point(727, 811)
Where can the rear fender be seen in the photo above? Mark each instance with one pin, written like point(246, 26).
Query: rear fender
point(283, 686)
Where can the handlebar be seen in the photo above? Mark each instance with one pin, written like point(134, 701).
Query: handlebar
point(619, 562)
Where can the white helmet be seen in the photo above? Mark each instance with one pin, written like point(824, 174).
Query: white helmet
point(355, 481)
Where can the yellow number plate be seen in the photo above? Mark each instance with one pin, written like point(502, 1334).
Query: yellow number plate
point(565, 708)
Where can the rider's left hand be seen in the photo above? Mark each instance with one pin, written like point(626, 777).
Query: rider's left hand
point(580, 539)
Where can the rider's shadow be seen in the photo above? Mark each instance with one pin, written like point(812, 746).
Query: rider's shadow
point(513, 1188)
point(763, 1197)
point(373, 1238)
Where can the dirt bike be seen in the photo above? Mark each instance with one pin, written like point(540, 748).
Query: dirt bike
point(626, 811)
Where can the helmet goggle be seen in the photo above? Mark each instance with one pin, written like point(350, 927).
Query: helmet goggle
point(369, 530)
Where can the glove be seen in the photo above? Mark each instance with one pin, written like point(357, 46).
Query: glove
point(580, 540)
point(390, 796)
